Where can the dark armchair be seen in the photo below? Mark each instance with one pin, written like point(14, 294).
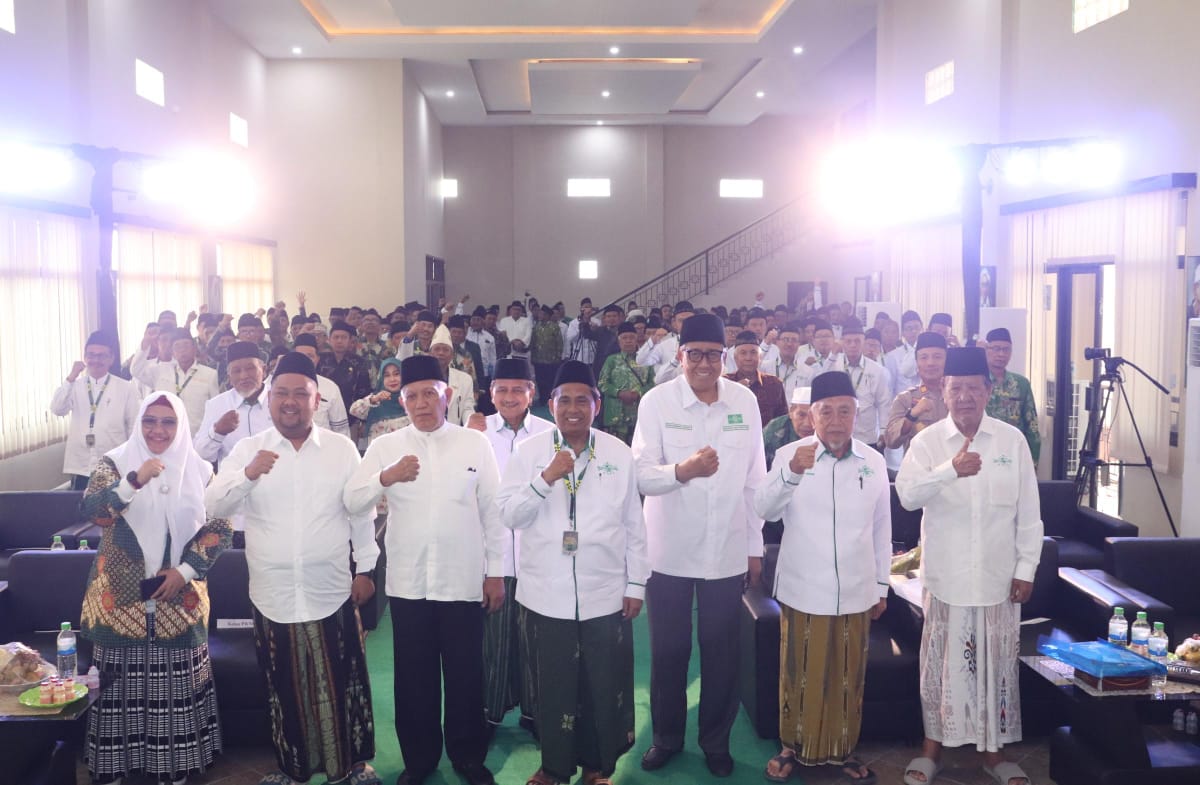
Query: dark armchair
point(30, 519)
point(1080, 531)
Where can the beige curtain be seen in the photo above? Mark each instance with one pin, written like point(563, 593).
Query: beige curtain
point(156, 271)
point(926, 270)
point(247, 277)
point(42, 302)
point(1138, 232)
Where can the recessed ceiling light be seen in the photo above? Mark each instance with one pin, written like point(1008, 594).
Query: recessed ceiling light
point(599, 122)
point(614, 50)
point(297, 50)
point(759, 94)
point(449, 93)
point(797, 50)
point(605, 94)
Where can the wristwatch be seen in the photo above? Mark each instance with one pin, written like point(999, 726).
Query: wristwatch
point(908, 415)
point(132, 479)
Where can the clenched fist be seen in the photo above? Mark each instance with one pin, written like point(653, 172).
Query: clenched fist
point(227, 424)
point(562, 465)
point(76, 369)
point(967, 464)
point(149, 470)
point(804, 458)
point(921, 406)
point(404, 470)
point(703, 463)
point(476, 422)
point(262, 464)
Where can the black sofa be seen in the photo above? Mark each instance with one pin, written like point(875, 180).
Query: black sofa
point(241, 691)
point(30, 519)
point(45, 588)
point(1080, 531)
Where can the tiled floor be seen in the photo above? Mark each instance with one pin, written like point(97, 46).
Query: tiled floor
point(247, 765)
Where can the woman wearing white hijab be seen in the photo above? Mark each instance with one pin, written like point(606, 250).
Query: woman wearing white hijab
point(147, 495)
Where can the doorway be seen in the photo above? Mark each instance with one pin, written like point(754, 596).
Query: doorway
point(1078, 297)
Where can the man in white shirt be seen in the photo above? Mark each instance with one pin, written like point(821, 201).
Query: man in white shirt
point(512, 393)
point(193, 383)
point(581, 345)
point(445, 568)
point(484, 340)
point(699, 451)
point(287, 482)
point(572, 493)
point(331, 408)
point(518, 328)
point(981, 541)
point(788, 364)
point(661, 351)
point(103, 408)
point(462, 404)
point(831, 580)
point(756, 322)
point(822, 358)
point(870, 382)
point(901, 362)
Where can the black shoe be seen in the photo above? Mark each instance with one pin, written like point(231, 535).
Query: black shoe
point(719, 763)
point(528, 724)
point(656, 757)
point(475, 773)
point(408, 778)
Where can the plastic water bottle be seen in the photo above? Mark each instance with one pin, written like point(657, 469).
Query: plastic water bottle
point(57, 545)
point(93, 683)
point(1139, 635)
point(1118, 628)
point(67, 660)
point(83, 545)
point(1158, 653)
point(1192, 725)
point(1179, 720)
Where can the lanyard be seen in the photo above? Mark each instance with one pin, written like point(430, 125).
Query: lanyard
point(862, 371)
point(573, 482)
point(178, 389)
point(94, 403)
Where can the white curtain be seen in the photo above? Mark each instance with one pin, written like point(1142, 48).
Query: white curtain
point(42, 302)
point(926, 270)
point(247, 275)
point(1138, 232)
point(156, 271)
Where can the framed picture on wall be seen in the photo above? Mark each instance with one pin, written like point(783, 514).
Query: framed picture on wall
point(987, 286)
point(862, 289)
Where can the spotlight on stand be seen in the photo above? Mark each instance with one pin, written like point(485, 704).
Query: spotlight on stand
point(213, 190)
point(28, 169)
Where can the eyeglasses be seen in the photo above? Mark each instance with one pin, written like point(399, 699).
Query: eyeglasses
point(166, 422)
point(91, 356)
point(712, 356)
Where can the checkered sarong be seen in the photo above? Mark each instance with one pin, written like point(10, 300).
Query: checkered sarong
point(159, 717)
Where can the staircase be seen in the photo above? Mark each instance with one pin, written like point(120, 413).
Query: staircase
point(699, 274)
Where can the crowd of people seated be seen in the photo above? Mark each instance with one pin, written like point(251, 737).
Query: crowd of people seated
point(521, 548)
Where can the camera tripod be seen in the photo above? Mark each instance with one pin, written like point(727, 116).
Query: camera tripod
point(1089, 456)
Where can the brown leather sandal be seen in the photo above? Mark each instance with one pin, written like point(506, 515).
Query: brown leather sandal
point(540, 777)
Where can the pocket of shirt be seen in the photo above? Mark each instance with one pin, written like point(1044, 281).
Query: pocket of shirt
point(1002, 487)
point(678, 445)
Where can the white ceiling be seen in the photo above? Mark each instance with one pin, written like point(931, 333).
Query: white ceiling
point(547, 61)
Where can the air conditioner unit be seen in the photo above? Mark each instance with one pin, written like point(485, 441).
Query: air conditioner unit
point(1189, 525)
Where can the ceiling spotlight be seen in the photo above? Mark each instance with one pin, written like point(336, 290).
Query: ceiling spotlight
point(797, 50)
point(605, 94)
point(614, 50)
point(449, 93)
point(599, 122)
point(297, 50)
point(760, 94)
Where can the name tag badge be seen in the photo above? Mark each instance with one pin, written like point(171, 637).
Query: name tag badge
point(90, 439)
point(570, 543)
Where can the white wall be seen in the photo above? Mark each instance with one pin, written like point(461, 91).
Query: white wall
point(423, 209)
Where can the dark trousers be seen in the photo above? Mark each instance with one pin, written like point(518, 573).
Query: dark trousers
point(545, 373)
point(669, 603)
point(433, 641)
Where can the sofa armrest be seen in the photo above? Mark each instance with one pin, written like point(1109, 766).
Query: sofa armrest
point(1093, 526)
point(1155, 609)
point(1087, 597)
point(5, 613)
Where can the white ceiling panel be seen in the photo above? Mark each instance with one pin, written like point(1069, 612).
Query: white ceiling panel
point(544, 13)
point(576, 88)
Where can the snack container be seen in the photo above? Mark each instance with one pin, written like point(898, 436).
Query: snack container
point(45, 692)
point(68, 688)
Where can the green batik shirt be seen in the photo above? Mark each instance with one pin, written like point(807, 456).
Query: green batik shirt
point(776, 434)
point(374, 352)
point(1012, 402)
point(620, 372)
point(546, 343)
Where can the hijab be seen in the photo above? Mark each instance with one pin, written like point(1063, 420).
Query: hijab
point(171, 505)
point(391, 408)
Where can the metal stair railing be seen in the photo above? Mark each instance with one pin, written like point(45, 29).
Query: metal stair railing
point(720, 261)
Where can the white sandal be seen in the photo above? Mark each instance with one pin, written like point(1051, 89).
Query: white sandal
point(1007, 771)
point(922, 765)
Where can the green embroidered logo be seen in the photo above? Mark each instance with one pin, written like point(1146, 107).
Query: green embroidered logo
point(1002, 460)
point(734, 419)
point(866, 471)
point(606, 468)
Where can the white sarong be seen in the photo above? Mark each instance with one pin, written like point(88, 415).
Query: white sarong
point(969, 661)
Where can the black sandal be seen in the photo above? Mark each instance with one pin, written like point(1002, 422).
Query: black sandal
point(857, 765)
point(786, 762)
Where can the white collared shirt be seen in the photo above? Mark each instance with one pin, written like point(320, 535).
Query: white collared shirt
point(870, 380)
point(705, 528)
point(836, 552)
point(663, 357)
point(519, 329)
point(901, 363)
point(298, 531)
point(462, 404)
point(252, 419)
point(440, 535)
point(791, 374)
point(195, 387)
point(331, 409)
point(504, 441)
point(977, 533)
point(768, 355)
point(118, 404)
point(611, 562)
point(487, 350)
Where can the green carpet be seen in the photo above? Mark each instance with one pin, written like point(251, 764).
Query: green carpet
point(514, 754)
